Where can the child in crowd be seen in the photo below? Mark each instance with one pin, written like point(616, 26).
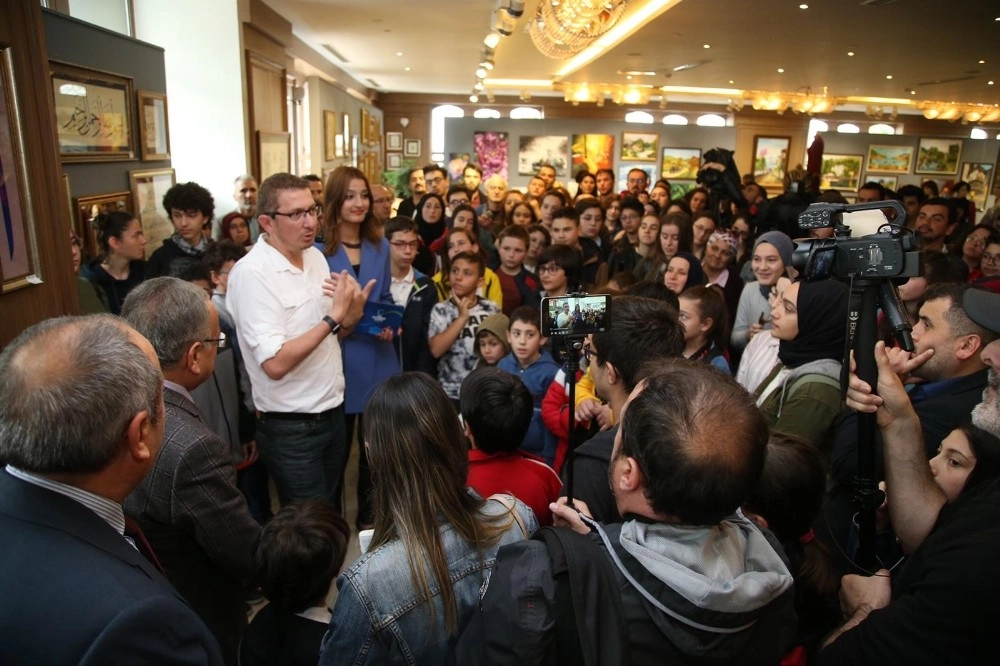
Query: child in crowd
point(496, 410)
point(464, 240)
point(519, 286)
point(300, 552)
point(414, 290)
point(703, 316)
point(539, 238)
point(559, 269)
point(491, 340)
point(454, 322)
point(536, 368)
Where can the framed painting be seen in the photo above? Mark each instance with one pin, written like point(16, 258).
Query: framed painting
point(393, 140)
point(148, 188)
point(979, 176)
point(890, 159)
point(412, 148)
point(938, 156)
point(456, 165)
point(345, 132)
point(593, 152)
point(770, 160)
point(639, 146)
point(679, 188)
point(88, 208)
point(329, 136)
point(534, 151)
point(888, 182)
point(19, 261)
point(394, 160)
point(492, 153)
point(274, 153)
point(93, 114)
point(154, 135)
point(365, 127)
point(841, 172)
point(680, 163)
point(623, 170)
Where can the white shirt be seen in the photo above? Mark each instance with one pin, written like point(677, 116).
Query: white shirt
point(272, 301)
point(401, 288)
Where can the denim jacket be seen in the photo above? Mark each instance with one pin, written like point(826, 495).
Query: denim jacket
point(380, 619)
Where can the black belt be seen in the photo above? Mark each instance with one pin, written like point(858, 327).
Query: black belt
point(296, 416)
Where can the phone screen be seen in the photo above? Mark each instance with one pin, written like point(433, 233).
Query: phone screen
point(575, 315)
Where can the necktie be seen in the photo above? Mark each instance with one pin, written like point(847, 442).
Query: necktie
point(134, 535)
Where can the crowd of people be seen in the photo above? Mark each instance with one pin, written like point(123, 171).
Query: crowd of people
point(692, 505)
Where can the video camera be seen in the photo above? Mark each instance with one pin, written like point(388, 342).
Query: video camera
point(725, 181)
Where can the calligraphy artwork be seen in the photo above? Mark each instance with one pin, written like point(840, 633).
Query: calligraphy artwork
point(93, 114)
point(153, 132)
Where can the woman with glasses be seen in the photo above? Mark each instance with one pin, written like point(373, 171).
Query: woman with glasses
point(990, 267)
point(974, 247)
point(353, 242)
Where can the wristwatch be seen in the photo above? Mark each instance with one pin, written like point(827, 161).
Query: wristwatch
point(334, 326)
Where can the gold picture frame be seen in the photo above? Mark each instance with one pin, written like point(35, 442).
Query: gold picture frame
point(89, 207)
point(93, 114)
point(148, 187)
point(329, 136)
point(154, 133)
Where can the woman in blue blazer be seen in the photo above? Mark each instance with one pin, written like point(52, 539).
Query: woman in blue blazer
point(353, 242)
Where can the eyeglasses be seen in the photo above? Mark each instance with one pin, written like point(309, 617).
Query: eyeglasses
point(433, 181)
point(975, 242)
point(222, 342)
point(296, 215)
point(382, 200)
point(990, 258)
point(589, 353)
point(549, 268)
point(405, 245)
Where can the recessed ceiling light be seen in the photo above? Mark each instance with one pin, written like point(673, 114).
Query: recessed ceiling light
point(803, 6)
point(628, 77)
point(982, 62)
point(731, 82)
point(781, 70)
point(888, 76)
point(850, 53)
point(406, 69)
point(913, 92)
point(989, 83)
point(706, 46)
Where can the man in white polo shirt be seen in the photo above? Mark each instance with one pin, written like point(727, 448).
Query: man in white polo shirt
point(280, 298)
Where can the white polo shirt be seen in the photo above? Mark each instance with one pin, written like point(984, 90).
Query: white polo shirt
point(272, 301)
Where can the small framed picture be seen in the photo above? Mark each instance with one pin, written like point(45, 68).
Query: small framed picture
point(412, 148)
point(938, 156)
point(393, 160)
point(393, 140)
point(888, 182)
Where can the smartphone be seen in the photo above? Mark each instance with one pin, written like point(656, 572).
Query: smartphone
point(575, 314)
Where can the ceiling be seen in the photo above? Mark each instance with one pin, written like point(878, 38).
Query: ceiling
point(903, 49)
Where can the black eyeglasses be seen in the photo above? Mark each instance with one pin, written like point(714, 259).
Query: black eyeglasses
point(296, 215)
point(222, 342)
point(589, 353)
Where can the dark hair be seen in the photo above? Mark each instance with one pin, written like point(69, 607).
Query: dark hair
point(267, 196)
point(941, 201)
point(399, 223)
point(189, 196)
point(942, 267)
point(567, 213)
point(473, 166)
point(509, 219)
point(435, 167)
point(111, 225)
point(312, 178)
point(872, 185)
point(711, 304)
point(655, 290)
point(624, 279)
point(609, 172)
point(466, 208)
point(911, 191)
point(586, 204)
point(566, 258)
point(554, 193)
point(334, 196)
point(189, 269)
point(685, 230)
point(443, 252)
point(219, 252)
point(227, 222)
point(526, 315)
point(986, 447)
point(418, 213)
point(958, 320)
point(514, 231)
point(634, 204)
point(932, 186)
point(698, 439)
point(472, 258)
point(540, 228)
point(497, 407)
point(682, 204)
point(456, 189)
point(299, 553)
point(641, 329)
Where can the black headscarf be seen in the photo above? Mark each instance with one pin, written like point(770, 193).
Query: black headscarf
point(822, 310)
point(696, 276)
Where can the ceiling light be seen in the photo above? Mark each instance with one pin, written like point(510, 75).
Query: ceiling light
point(803, 6)
point(706, 46)
point(731, 82)
point(504, 23)
point(492, 40)
point(473, 98)
point(479, 86)
point(982, 62)
point(781, 70)
point(888, 76)
point(515, 8)
point(564, 28)
point(399, 53)
point(850, 53)
point(989, 83)
point(481, 73)
point(406, 69)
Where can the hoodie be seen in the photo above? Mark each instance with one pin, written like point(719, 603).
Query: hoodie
point(537, 377)
point(805, 408)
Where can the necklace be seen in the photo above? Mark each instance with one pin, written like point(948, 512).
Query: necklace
point(353, 246)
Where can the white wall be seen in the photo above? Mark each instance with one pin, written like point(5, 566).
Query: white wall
point(203, 63)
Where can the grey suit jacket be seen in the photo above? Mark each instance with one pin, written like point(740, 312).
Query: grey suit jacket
point(197, 521)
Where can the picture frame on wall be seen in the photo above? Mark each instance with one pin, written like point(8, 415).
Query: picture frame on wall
point(888, 182)
point(639, 147)
point(274, 153)
point(87, 208)
point(680, 163)
point(770, 160)
point(19, 260)
point(93, 114)
point(841, 172)
point(365, 127)
point(154, 133)
point(412, 148)
point(394, 160)
point(345, 132)
point(534, 151)
point(938, 157)
point(592, 152)
point(148, 188)
point(978, 175)
point(329, 136)
point(393, 140)
point(625, 167)
point(890, 159)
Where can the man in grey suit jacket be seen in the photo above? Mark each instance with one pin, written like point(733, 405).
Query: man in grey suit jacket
point(189, 506)
point(81, 423)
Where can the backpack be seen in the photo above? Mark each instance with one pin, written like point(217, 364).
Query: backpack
point(549, 600)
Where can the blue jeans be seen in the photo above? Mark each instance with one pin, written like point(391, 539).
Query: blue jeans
point(305, 456)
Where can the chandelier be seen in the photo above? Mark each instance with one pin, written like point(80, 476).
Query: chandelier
point(563, 28)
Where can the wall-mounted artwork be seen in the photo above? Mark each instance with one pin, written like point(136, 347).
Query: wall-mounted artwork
point(593, 152)
point(412, 147)
point(492, 150)
point(680, 163)
point(639, 146)
point(679, 188)
point(841, 172)
point(393, 160)
point(623, 170)
point(888, 182)
point(770, 160)
point(93, 114)
point(938, 156)
point(345, 133)
point(393, 140)
point(88, 208)
point(456, 165)
point(154, 136)
point(148, 188)
point(329, 136)
point(538, 150)
point(978, 175)
point(274, 152)
point(890, 159)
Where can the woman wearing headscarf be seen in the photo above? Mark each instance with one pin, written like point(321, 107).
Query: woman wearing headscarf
point(683, 271)
point(717, 262)
point(772, 252)
point(801, 395)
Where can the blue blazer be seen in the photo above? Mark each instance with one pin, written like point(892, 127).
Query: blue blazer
point(367, 360)
point(75, 592)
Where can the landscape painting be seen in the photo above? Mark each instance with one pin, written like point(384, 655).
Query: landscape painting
point(890, 159)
